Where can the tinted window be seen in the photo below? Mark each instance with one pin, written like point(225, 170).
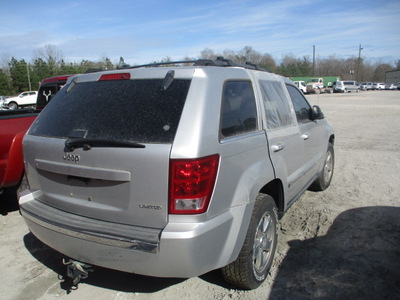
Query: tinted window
point(276, 104)
point(47, 92)
point(239, 113)
point(130, 110)
point(300, 104)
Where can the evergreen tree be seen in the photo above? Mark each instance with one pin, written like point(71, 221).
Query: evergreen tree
point(19, 75)
point(68, 68)
point(40, 70)
point(121, 63)
point(108, 64)
point(5, 85)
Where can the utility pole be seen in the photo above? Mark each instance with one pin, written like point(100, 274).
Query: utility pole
point(359, 63)
point(29, 77)
point(313, 62)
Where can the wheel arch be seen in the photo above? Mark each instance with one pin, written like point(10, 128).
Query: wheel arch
point(332, 139)
point(274, 188)
point(13, 102)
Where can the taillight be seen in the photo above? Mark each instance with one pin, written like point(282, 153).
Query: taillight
point(115, 76)
point(191, 184)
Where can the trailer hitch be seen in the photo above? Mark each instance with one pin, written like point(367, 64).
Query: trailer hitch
point(77, 270)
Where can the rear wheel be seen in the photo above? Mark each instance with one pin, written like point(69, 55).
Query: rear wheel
point(251, 267)
point(325, 178)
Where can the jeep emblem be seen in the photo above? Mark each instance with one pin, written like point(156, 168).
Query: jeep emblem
point(71, 157)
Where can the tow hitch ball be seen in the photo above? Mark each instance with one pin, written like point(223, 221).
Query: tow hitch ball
point(77, 270)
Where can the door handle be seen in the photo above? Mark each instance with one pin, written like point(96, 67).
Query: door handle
point(305, 136)
point(277, 147)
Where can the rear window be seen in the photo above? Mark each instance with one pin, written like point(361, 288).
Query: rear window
point(120, 110)
point(46, 93)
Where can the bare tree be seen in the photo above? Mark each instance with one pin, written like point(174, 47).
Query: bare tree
point(380, 70)
point(247, 54)
point(207, 53)
point(52, 55)
point(4, 64)
point(268, 62)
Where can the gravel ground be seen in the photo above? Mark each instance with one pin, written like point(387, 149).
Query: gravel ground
point(343, 243)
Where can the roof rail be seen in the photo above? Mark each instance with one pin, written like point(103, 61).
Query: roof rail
point(219, 62)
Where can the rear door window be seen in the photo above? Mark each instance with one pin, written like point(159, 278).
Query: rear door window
point(277, 109)
point(121, 110)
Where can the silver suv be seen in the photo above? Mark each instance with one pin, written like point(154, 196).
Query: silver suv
point(174, 171)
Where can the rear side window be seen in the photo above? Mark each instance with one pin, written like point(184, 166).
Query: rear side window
point(122, 110)
point(239, 112)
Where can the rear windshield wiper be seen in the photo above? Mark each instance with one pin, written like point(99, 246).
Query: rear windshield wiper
point(88, 143)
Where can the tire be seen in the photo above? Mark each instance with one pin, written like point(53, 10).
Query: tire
point(255, 259)
point(324, 179)
point(12, 106)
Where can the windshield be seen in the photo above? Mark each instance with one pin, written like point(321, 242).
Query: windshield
point(119, 110)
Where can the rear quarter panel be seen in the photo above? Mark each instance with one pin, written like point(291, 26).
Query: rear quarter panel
point(244, 167)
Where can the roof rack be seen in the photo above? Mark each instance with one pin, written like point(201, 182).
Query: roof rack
point(219, 62)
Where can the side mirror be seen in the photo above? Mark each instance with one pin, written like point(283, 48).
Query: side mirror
point(316, 113)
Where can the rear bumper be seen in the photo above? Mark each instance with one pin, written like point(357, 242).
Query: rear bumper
point(179, 250)
point(101, 232)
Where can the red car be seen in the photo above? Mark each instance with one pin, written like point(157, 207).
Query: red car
point(13, 126)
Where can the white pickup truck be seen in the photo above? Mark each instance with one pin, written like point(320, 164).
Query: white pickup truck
point(319, 85)
point(302, 86)
point(24, 99)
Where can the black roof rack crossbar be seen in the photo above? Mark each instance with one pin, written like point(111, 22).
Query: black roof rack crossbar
point(219, 62)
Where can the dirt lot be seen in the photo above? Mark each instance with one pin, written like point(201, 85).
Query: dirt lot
point(343, 243)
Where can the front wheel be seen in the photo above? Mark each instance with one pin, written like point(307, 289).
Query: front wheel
point(12, 106)
point(325, 178)
point(255, 259)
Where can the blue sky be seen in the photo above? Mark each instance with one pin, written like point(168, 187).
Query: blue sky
point(142, 31)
